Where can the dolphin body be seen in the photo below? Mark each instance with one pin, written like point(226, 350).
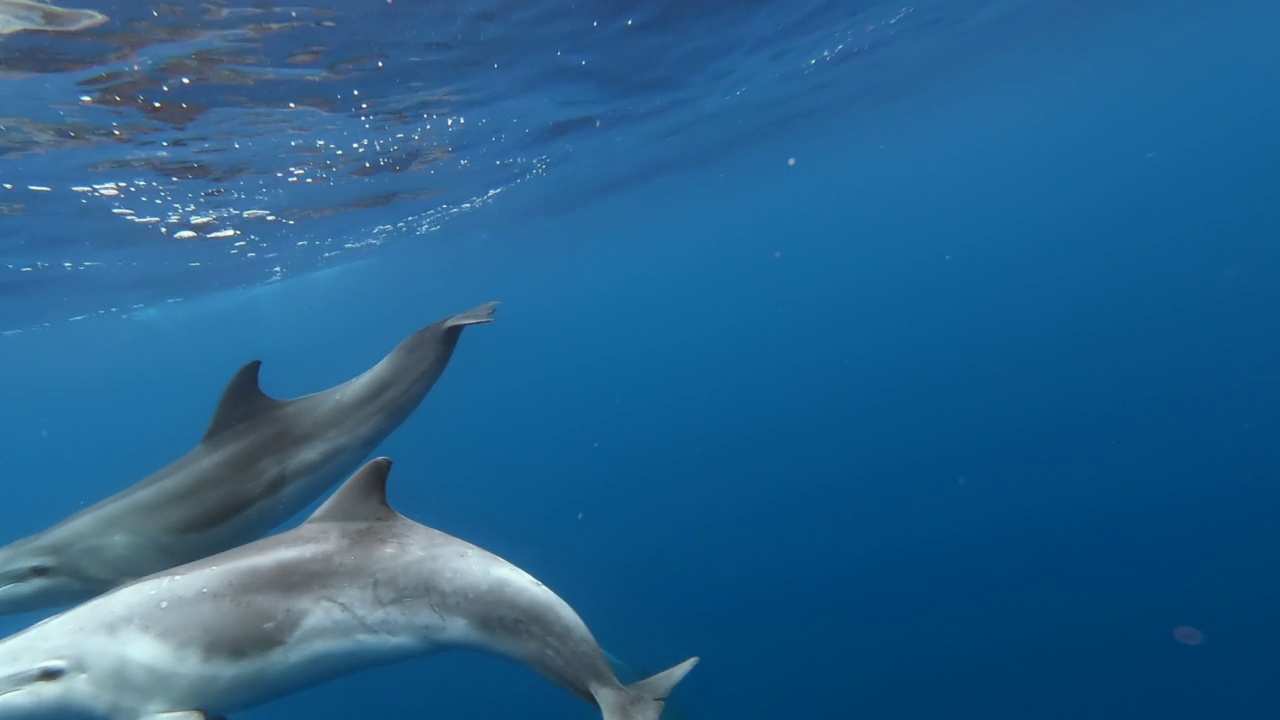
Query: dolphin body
point(355, 586)
point(261, 461)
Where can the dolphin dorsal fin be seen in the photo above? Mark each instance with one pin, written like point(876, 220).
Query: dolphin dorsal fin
point(242, 400)
point(362, 498)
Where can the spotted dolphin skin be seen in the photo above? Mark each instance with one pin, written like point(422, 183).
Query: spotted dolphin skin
point(355, 586)
point(261, 461)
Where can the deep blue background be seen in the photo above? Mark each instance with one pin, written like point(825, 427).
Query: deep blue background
point(959, 416)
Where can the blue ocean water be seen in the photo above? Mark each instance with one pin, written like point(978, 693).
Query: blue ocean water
point(898, 360)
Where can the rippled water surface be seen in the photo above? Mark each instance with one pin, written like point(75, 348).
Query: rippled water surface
point(167, 150)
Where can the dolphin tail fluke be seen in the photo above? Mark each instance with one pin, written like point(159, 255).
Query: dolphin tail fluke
point(474, 316)
point(642, 700)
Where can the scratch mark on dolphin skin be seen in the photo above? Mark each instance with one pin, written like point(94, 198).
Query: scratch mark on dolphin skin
point(355, 616)
point(431, 603)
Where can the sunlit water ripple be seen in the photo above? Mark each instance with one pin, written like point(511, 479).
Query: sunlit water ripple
point(189, 147)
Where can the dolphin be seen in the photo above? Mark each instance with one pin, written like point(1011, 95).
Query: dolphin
point(261, 461)
point(357, 585)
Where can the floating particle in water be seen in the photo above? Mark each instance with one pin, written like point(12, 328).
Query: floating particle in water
point(1188, 635)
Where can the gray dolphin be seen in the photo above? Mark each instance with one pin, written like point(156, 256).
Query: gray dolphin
point(355, 586)
point(261, 461)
